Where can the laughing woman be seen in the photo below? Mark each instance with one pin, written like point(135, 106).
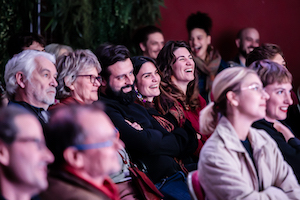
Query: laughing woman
point(182, 98)
point(148, 86)
point(240, 162)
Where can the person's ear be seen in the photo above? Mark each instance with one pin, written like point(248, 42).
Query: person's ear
point(103, 83)
point(20, 78)
point(73, 157)
point(4, 154)
point(142, 46)
point(232, 98)
point(237, 42)
point(69, 84)
point(209, 39)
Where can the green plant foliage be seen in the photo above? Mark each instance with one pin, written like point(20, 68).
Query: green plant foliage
point(88, 23)
point(13, 14)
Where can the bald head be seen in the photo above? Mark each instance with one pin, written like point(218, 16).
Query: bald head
point(247, 39)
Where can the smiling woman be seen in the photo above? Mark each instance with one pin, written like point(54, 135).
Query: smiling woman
point(181, 97)
point(277, 82)
point(78, 78)
point(243, 161)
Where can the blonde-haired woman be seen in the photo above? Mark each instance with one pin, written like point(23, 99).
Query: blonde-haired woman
point(240, 162)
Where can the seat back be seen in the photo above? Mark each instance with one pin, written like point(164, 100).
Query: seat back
point(194, 185)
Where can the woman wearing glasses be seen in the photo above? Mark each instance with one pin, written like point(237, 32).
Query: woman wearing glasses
point(78, 78)
point(240, 162)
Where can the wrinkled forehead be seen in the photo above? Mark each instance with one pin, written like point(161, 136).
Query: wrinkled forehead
point(43, 63)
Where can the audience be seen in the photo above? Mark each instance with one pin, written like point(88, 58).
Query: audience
point(58, 49)
point(30, 78)
point(240, 162)
point(85, 145)
point(146, 141)
point(178, 80)
point(208, 60)
point(148, 87)
point(23, 155)
point(155, 103)
point(78, 78)
point(25, 41)
point(277, 81)
point(247, 39)
point(149, 40)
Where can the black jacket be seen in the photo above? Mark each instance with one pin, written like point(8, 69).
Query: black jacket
point(290, 150)
point(153, 146)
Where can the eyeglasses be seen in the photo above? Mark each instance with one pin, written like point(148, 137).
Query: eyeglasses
point(108, 143)
point(93, 78)
point(39, 143)
point(255, 87)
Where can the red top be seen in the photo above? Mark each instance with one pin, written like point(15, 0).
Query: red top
point(64, 102)
point(107, 187)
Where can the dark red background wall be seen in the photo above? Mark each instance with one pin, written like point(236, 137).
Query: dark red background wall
point(278, 21)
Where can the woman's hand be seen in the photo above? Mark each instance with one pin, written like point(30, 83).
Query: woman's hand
point(287, 134)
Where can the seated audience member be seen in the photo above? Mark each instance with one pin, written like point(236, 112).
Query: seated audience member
point(25, 41)
point(146, 141)
point(266, 51)
point(58, 49)
point(208, 60)
point(176, 63)
point(247, 39)
point(85, 145)
point(30, 78)
point(238, 161)
point(23, 155)
point(78, 78)
point(149, 40)
point(277, 82)
point(148, 86)
point(273, 52)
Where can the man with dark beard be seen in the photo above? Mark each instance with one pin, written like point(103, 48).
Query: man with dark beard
point(247, 39)
point(146, 141)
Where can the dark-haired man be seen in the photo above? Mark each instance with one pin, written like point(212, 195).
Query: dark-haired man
point(149, 40)
point(25, 41)
point(23, 155)
point(146, 141)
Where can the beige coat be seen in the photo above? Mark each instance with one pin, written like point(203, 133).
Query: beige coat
point(226, 170)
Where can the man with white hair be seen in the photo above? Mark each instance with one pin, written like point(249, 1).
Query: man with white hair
point(30, 78)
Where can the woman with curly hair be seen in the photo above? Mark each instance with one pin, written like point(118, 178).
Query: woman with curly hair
point(181, 95)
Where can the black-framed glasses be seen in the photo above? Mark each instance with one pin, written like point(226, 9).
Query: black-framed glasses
point(93, 78)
